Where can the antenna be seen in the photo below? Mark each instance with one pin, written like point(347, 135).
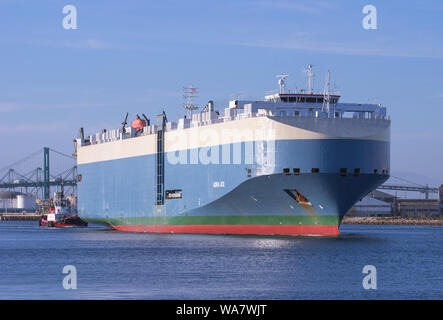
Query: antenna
point(125, 122)
point(189, 93)
point(327, 93)
point(148, 122)
point(310, 74)
point(281, 82)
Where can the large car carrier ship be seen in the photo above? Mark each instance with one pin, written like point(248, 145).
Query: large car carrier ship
point(292, 164)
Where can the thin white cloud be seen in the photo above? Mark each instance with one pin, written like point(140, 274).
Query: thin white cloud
point(34, 128)
point(415, 135)
point(17, 106)
point(303, 42)
point(89, 104)
point(311, 7)
point(90, 43)
point(156, 95)
point(86, 44)
point(10, 107)
point(13, 106)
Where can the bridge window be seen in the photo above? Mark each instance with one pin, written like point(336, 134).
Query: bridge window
point(375, 171)
point(315, 170)
point(310, 100)
point(320, 100)
point(296, 171)
point(286, 171)
point(356, 171)
point(296, 113)
point(301, 99)
point(343, 171)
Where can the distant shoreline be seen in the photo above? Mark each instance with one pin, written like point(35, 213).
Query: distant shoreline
point(346, 220)
point(394, 221)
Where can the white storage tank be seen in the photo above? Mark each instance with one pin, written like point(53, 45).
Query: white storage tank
point(21, 199)
point(8, 200)
point(26, 202)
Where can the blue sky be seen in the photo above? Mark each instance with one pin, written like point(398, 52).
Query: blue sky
point(136, 56)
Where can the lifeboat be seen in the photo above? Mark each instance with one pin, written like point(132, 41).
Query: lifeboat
point(138, 124)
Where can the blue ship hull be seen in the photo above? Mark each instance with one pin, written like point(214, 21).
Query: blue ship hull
point(305, 192)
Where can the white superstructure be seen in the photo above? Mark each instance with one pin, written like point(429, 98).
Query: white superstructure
point(282, 104)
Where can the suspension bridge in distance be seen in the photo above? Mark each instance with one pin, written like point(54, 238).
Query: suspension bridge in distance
point(41, 172)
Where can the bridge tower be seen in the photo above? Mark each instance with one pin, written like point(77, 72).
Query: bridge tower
point(46, 173)
point(440, 198)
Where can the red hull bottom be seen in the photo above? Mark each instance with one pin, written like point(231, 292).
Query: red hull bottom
point(58, 225)
point(235, 229)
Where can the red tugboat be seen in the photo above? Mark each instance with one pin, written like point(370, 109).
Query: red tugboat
point(61, 215)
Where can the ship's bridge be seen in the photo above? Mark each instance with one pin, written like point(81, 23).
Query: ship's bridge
point(306, 105)
point(301, 98)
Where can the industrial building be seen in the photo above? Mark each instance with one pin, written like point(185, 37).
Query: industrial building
point(13, 201)
point(378, 204)
point(371, 207)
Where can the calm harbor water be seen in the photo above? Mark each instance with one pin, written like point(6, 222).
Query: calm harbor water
point(115, 265)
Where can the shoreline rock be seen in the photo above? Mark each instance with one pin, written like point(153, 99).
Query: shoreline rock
point(394, 221)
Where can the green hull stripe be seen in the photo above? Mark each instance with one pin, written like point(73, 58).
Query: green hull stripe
point(332, 220)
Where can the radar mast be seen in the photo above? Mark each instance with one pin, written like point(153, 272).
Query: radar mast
point(281, 82)
point(189, 93)
point(310, 74)
point(327, 93)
